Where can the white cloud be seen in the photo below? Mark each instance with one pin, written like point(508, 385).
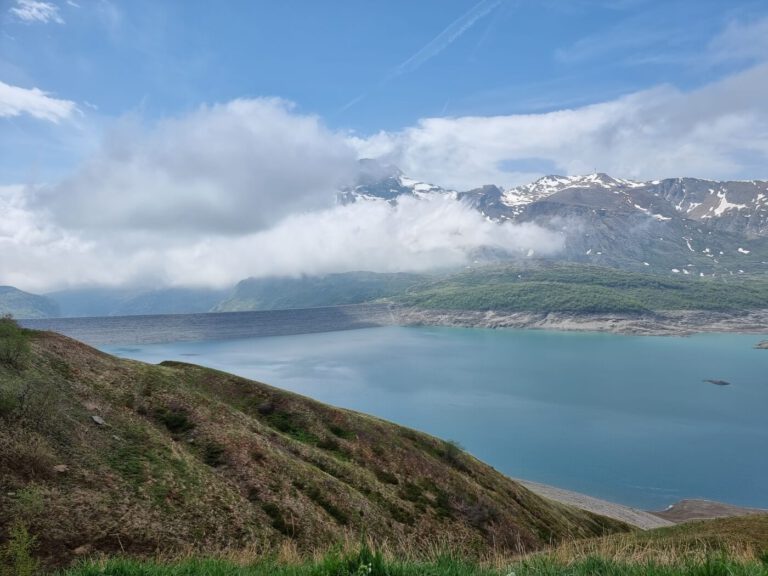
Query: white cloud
point(717, 131)
point(415, 235)
point(31, 11)
point(230, 169)
point(746, 41)
point(15, 101)
point(447, 36)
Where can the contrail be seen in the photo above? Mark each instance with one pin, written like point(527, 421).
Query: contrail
point(446, 37)
point(439, 43)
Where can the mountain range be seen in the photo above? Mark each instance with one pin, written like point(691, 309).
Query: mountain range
point(672, 226)
point(675, 227)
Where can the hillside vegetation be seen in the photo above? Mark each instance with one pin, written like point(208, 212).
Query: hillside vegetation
point(584, 289)
point(99, 454)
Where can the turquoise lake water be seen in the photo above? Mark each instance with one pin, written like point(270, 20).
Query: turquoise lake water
point(625, 418)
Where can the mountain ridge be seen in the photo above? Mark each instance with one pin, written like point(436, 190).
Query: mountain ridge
point(674, 225)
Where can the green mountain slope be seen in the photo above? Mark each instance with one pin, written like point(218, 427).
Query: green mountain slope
point(99, 454)
point(578, 288)
point(314, 291)
point(22, 304)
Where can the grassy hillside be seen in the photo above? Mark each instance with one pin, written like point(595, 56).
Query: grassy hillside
point(584, 289)
point(315, 291)
point(99, 454)
point(22, 304)
point(732, 547)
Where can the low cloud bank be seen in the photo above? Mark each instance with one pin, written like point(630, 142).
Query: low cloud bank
point(414, 235)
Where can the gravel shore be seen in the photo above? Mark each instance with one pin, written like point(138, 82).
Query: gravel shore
point(665, 323)
point(632, 516)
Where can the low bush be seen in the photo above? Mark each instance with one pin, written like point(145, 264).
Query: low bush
point(16, 556)
point(14, 344)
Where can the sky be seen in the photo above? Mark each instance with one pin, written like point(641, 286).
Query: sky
point(198, 143)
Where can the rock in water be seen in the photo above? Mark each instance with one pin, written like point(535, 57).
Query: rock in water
point(719, 382)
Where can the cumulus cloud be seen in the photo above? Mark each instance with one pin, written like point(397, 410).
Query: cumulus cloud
point(15, 101)
point(31, 11)
point(230, 169)
point(717, 131)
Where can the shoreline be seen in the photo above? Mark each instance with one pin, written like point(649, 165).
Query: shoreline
point(686, 510)
point(213, 326)
point(627, 514)
point(664, 323)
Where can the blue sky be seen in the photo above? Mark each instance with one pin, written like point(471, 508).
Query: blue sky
point(363, 66)
point(161, 58)
point(218, 118)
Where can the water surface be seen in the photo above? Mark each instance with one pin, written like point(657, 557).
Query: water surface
point(625, 418)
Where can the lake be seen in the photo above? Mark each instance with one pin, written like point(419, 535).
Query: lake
point(625, 418)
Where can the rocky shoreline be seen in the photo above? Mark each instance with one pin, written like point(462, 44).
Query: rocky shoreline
point(665, 323)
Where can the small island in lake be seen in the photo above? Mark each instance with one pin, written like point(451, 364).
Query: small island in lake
point(762, 345)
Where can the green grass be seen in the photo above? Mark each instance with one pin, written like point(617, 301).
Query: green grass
point(365, 563)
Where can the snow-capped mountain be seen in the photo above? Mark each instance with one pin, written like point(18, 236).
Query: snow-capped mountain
point(377, 181)
point(677, 225)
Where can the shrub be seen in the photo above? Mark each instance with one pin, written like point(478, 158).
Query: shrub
point(175, 418)
point(278, 521)
point(452, 453)
point(26, 454)
point(334, 511)
point(385, 476)
point(14, 343)
point(9, 403)
point(341, 432)
point(29, 503)
point(214, 455)
point(16, 557)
